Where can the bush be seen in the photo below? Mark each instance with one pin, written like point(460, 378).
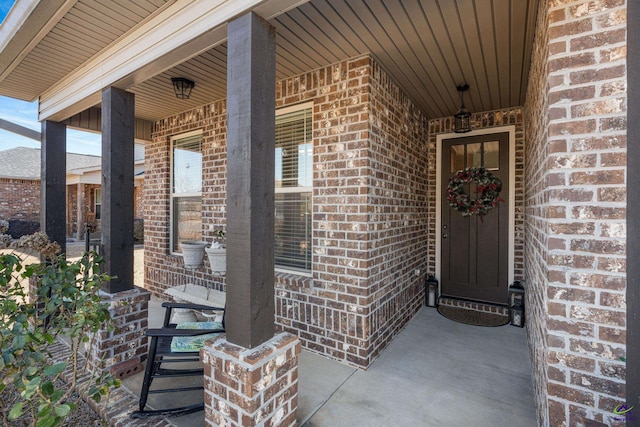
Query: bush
point(67, 302)
point(19, 228)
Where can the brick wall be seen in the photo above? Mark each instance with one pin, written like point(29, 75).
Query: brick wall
point(138, 197)
point(397, 203)
point(536, 214)
point(20, 199)
point(575, 175)
point(163, 270)
point(369, 209)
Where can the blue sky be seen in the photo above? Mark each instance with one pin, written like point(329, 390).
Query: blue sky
point(26, 114)
point(5, 5)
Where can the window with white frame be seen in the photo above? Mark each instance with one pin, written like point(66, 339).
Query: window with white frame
point(294, 181)
point(97, 196)
point(186, 189)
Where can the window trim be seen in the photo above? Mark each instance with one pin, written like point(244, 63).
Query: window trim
point(171, 193)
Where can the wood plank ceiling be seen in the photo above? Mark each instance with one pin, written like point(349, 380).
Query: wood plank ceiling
point(87, 28)
point(428, 47)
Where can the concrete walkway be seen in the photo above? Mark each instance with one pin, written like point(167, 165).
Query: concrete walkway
point(435, 373)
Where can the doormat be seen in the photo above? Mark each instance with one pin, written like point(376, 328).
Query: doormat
point(472, 317)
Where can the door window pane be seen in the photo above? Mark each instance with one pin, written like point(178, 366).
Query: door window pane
point(474, 155)
point(457, 157)
point(492, 155)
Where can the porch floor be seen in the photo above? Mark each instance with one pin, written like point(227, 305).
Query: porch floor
point(435, 373)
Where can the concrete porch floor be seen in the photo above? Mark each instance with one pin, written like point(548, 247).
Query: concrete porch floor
point(436, 372)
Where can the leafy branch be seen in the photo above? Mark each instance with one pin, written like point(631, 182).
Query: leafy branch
point(66, 302)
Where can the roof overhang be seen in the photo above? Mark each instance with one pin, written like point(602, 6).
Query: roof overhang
point(428, 47)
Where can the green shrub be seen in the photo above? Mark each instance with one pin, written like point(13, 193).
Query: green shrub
point(67, 302)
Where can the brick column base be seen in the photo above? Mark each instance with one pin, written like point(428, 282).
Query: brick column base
point(251, 387)
point(124, 349)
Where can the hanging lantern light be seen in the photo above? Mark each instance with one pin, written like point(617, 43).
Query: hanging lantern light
point(463, 116)
point(182, 87)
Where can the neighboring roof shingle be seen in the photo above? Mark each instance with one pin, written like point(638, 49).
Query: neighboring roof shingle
point(24, 162)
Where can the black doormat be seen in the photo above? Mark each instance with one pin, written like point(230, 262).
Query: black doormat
point(472, 317)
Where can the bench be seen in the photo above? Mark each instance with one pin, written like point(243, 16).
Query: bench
point(200, 295)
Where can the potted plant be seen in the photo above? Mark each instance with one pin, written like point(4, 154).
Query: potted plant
point(193, 252)
point(217, 253)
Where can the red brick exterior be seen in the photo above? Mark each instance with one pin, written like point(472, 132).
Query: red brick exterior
point(20, 199)
point(369, 209)
point(251, 388)
point(575, 227)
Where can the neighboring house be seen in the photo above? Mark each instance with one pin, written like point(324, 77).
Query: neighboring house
point(20, 187)
point(365, 145)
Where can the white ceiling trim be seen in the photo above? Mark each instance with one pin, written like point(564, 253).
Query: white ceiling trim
point(180, 32)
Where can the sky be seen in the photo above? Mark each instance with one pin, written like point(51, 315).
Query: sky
point(26, 114)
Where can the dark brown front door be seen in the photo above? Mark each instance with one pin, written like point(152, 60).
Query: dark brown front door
point(474, 258)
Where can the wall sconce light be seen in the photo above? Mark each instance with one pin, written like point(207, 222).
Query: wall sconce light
point(516, 304)
point(463, 116)
point(182, 87)
point(431, 290)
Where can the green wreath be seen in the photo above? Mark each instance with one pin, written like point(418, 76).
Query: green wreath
point(488, 189)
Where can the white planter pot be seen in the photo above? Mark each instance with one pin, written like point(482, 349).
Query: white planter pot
point(193, 253)
point(217, 260)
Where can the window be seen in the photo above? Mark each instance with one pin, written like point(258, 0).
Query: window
point(294, 178)
point(98, 202)
point(186, 189)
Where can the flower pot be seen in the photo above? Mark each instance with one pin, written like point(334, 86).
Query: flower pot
point(193, 253)
point(217, 259)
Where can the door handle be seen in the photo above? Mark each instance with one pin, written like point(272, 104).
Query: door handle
point(445, 235)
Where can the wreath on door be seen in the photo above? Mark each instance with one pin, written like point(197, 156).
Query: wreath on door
point(488, 189)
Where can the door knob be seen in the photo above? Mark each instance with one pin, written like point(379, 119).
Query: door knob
point(445, 235)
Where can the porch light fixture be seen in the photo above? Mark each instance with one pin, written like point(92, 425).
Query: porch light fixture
point(431, 290)
point(516, 304)
point(516, 316)
point(182, 87)
point(463, 116)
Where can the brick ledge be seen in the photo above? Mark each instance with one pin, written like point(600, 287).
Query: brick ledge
point(474, 305)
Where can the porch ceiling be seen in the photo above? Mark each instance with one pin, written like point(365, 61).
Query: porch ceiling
point(428, 46)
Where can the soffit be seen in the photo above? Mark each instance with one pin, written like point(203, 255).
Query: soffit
point(85, 29)
point(427, 46)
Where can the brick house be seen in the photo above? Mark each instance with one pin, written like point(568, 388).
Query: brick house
point(363, 132)
point(20, 187)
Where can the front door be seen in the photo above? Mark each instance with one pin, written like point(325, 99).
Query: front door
point(474, 258)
